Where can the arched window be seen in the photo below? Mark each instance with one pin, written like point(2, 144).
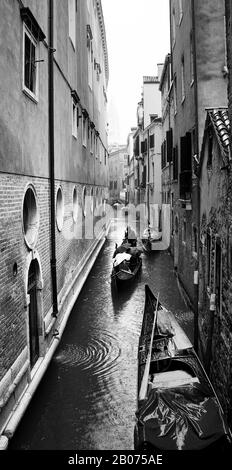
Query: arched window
point(75, 204)
point(92, 200)
point(59, 209)
point(84, 201)
point(30, 217)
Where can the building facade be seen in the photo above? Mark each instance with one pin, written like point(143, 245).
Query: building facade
point(199, 81)
point(146, 176)
point(215, 286)
point(169, 157)
point(131, 166)
point(118, 171)
point(53, 181)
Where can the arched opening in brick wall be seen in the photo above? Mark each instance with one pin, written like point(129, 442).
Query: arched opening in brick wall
point(33, 323)
point(34, 307)
point(30, 217)
point(59, 209)
point(75, 204)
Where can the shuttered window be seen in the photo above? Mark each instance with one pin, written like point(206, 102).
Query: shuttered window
point(169, 137)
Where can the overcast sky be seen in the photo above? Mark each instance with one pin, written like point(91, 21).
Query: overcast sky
point(137, 33)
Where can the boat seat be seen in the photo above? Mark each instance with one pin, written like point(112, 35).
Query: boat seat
point(171, 379)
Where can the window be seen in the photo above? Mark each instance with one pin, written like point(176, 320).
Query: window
point(72, 21)
point(75, 204)
point(180, 11)
point(84, 131)
point(175, 163)
point(182, 80)
point(91, 141)
point(173, 28)
point(152, 141)
point(30, 65)
point(84, 201)
point(74, 118)
point(90, 56)
point(91, 201)
point(30, 217)
point(100, 151)
point(59, 209)
point(96, 146)
point(175, 95)
point(191, 60)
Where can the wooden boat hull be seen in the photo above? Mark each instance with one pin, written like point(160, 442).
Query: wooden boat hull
point(180, 409)
point(150, 245)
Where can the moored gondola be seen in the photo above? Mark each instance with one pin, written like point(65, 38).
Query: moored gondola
point(150, 239)
point(178, 408)
point(127, 260)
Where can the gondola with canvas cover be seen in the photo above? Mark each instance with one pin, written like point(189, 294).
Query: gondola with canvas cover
point(178, 408)
point(127, 261)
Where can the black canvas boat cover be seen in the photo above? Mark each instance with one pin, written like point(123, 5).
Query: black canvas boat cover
point(183, 418)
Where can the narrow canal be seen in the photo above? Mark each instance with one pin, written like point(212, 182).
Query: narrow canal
point(87, 399)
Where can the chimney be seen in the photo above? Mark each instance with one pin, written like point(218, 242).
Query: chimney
point(160, 69)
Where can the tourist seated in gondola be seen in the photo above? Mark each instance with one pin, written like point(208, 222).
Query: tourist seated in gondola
point(122, 261)
point(135, 254)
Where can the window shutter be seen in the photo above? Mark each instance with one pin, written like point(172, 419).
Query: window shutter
point(169, 137)
point(188, 151)
point(152, 141)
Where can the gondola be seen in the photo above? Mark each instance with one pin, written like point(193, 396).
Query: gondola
point(177, 406)
point(150, 238)
point(127, 260)
point(127, 269)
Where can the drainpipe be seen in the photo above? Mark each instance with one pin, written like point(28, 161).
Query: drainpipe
point(196, 181)
point(51, 158)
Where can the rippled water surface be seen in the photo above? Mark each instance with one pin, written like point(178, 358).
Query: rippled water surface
point(87, 399)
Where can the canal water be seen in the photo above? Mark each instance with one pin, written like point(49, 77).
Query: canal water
point(87, 399)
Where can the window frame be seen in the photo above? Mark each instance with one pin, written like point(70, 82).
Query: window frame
point(175, 94)
point(191, 60)
point(33, 95)
point(182, 79)
point(71, 28)
point(173, 29)
point(84, 131)
point(181, 14)
point(75, 118)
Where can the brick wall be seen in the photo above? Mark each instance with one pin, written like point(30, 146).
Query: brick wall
point(13, 249)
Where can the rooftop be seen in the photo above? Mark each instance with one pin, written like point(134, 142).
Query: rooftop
point(150, 79)
point(221, 124)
